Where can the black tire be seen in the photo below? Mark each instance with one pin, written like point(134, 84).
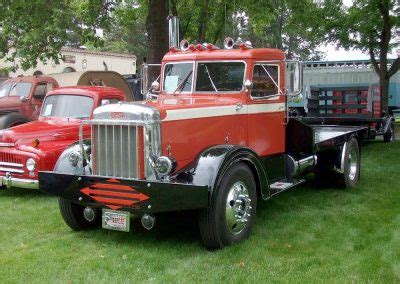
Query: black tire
point(388, 136)
point(213, 221)
point(351, 168)
point(73, 216)
point(12, 119)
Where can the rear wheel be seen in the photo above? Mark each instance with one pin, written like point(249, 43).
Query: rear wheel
point(73, 216)
point(231, 215)
point(11, 120)
point(351, 166)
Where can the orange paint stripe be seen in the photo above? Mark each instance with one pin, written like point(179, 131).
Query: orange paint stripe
point(113, 201)
point(138, 196)
point(112, 186)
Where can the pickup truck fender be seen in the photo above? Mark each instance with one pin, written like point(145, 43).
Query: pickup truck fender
point(211, 165)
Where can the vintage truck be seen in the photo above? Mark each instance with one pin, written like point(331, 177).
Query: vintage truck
point(21, 98)
point(215, 138)
point(28, 148)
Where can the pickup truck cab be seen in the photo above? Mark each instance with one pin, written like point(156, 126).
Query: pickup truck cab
point(21, 99)
point(36, 146)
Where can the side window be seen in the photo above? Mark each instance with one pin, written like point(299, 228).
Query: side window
point(265, 81)
point(109, 101)
point(40, 91)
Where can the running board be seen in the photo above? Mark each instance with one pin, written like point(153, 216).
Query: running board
point(283, 185)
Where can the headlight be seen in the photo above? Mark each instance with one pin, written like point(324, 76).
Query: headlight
point(74, 159)
point(31, 164)
point(165, 166)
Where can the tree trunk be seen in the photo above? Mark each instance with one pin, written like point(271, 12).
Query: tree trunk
point(157, 30)
point(203, 21)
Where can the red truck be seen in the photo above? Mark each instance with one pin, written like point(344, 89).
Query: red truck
point(32, 147)
point(21, 98)
point(216, 138)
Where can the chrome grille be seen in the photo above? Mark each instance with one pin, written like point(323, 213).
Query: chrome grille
point(10, 163)
point(115, 150)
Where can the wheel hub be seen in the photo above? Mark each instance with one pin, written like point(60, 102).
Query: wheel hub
point(352, 164)
point(238, 208)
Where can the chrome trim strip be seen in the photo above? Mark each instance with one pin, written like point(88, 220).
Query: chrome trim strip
point(2, 144)
point(10, 182)
point(11, 170)
point(11, 165)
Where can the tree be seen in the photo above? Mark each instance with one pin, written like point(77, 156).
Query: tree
point(37, 30)
point(368, 25)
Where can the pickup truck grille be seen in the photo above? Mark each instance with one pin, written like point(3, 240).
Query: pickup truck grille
point(115, 150)
point(10, 163)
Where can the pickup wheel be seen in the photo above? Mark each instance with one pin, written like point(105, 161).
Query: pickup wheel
point(12, 119)
point(232, 213)
point(389, 134)
point(351, 168)
point(73, 216)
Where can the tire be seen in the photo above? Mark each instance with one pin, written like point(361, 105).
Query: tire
point(73, 216)
point(12, 119)
point(388, 136)
point(351, 168)
point(218, 224)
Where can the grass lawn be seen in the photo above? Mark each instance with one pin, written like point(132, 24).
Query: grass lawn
point(307, 234)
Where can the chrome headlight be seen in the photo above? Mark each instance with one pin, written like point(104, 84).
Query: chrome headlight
point(74, 158)
point(165, 165)
point(31, 164)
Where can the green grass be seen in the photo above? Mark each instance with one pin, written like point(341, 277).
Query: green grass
point(307, 234)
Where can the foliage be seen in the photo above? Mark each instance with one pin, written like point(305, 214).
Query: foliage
point(36, 30)
point(307, 235)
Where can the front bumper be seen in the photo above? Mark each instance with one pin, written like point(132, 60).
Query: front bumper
point(10, 182)
point(136, 196)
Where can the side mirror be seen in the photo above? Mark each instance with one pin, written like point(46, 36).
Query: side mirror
point(23, 99)
point(248, 85)
point(294, 80)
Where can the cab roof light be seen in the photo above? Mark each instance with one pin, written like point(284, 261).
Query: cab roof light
point(173, 49)
point(210, 46)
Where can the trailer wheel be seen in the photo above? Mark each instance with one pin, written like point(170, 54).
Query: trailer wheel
point(351, 167)
point(12, 119)
point(389, 134)
point(73, 216)
point(231, 215)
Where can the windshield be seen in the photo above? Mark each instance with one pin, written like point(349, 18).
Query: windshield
point(220, 76)
point(178, 75)
point(15, 89)
point(67, 106)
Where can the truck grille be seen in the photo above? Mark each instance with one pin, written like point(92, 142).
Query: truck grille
point(10, 163)
point(115, 150)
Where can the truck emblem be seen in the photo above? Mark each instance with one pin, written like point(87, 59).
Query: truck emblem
point(117, 115)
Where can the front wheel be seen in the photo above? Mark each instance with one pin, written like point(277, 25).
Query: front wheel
point(389, 134)
point(232, 213)
point(73, 216)
point(351, 166)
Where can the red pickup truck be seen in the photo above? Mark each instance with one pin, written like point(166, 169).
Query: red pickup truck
point(21, 98)
point(32, 147)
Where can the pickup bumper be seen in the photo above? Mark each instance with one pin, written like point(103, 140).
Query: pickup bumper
point(135, 196)
point(10, 182)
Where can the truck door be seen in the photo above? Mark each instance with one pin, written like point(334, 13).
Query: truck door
point(38, 95)
point(266, 109)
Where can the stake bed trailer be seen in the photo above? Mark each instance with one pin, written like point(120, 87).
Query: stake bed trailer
point(215, 138)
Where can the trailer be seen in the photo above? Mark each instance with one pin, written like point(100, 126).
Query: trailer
point(215, 136)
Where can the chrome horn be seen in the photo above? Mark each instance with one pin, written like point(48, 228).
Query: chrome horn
point(184, 45)
point(229, 43)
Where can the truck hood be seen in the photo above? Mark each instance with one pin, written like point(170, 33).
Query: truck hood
point(50, 129)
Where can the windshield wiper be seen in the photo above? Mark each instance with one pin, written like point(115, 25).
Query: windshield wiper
point(180, 86)
point(211, 80)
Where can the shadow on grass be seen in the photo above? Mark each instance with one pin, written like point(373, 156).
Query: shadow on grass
point(23, 192)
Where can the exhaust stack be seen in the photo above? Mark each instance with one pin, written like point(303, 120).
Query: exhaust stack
point(173, 31)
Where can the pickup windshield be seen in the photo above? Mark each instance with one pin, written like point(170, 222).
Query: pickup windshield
point(15, 89)
point(67, 106)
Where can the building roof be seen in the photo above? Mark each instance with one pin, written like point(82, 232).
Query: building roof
point(93, 52)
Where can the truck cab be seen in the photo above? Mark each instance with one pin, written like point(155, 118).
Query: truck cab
point(32, 147)
point(21, 99)
point(214, 136)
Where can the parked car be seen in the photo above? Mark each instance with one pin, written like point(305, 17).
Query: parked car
point(32, 147)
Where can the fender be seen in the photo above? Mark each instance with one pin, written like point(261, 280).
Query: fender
point(212, 164)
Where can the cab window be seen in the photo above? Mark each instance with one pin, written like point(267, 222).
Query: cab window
point(109, 101)
point(265, 81)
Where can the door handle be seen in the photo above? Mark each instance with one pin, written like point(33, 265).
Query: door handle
point(238, 106)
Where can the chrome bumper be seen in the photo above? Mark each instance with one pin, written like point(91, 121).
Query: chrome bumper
point(9, 182)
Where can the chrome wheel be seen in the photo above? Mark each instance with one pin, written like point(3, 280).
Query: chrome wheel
point(353, 163)
point(238, 208)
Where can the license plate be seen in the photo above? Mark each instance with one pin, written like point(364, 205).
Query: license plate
point(116, 220)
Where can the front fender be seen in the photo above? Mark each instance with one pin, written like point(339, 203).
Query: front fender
point(211, 165)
